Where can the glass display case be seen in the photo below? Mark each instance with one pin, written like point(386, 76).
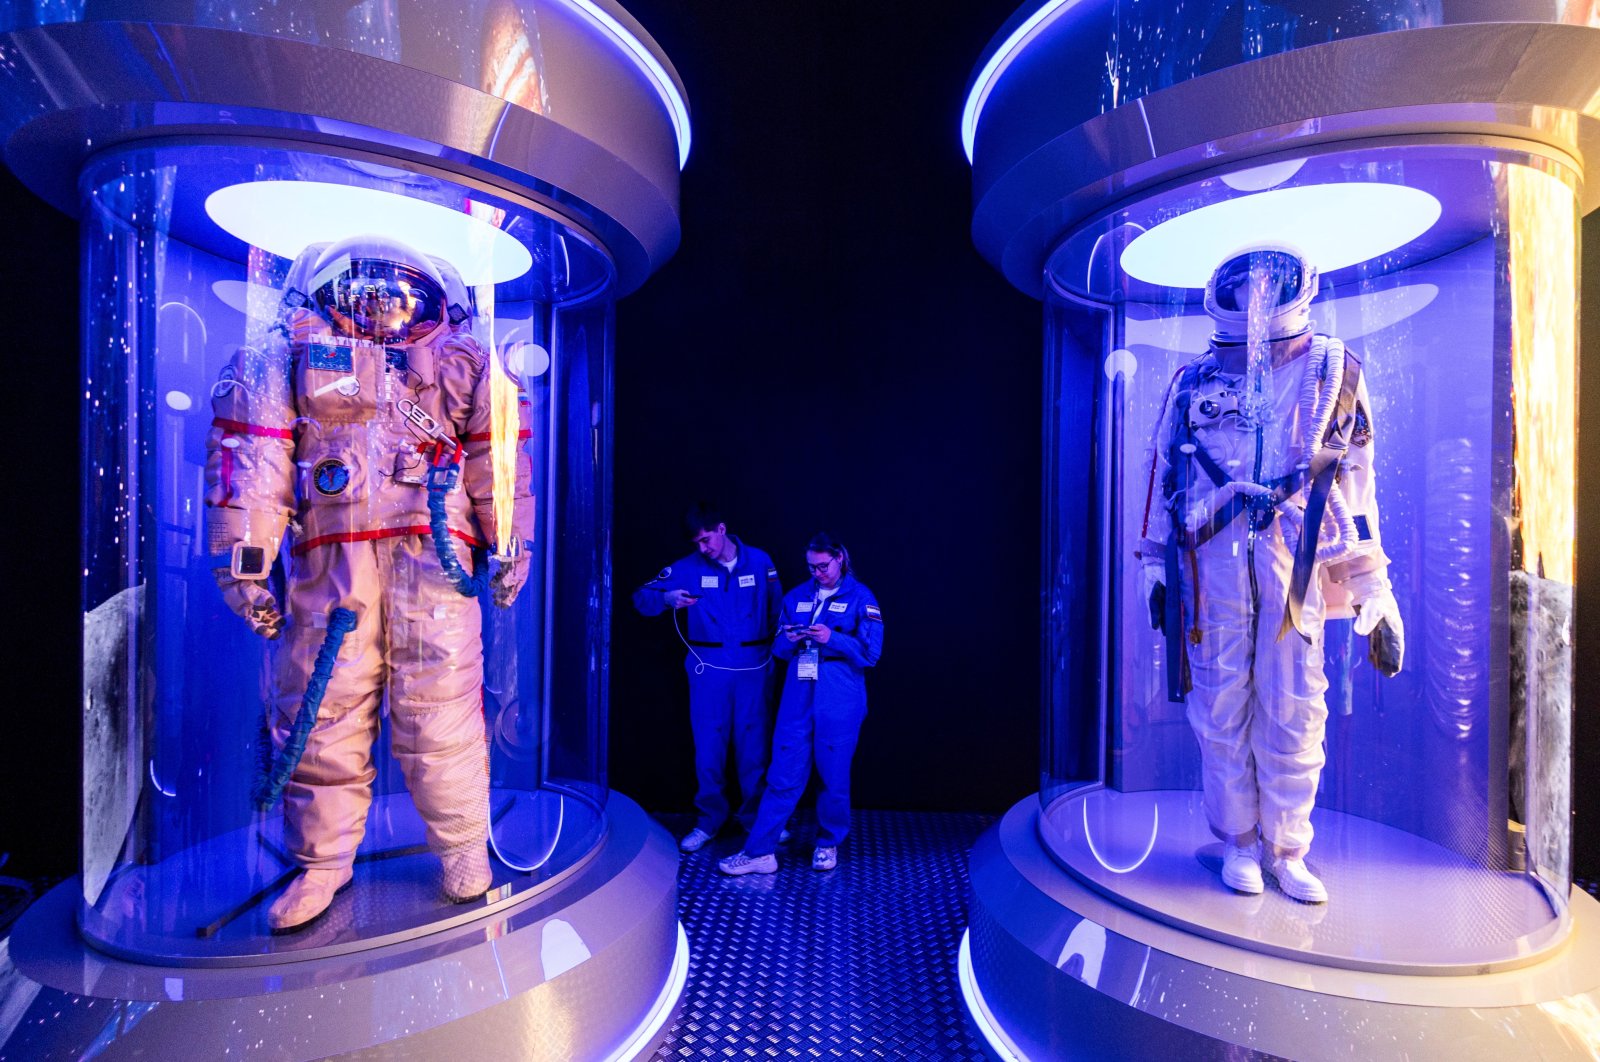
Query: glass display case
point(1279, 518)
point(312, 383)
point(1309, 274)
point(346, 322)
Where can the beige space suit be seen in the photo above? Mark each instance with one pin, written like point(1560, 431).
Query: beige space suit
point(333, 428)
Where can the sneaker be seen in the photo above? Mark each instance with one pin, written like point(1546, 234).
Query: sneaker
point(739, 863)
point(824, 859)
point(695, 840)
point(307, 898)
point(467, 874)
point(1241, 869)
point(1296, 880)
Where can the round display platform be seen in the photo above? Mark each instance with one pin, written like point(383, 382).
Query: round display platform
point(1397, 902)
point(1052, 968)
point(215, 895)
point(590, 964)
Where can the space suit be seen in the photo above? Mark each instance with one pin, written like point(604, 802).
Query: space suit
point(1261, 523)
point(331, 428)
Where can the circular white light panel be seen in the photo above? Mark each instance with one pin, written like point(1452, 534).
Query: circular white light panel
point(1336, 225)
point(285, 216)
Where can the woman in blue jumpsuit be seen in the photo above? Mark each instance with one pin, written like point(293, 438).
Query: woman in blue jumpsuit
point(830, 632)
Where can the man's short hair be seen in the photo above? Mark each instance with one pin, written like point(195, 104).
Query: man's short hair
point(702, 516)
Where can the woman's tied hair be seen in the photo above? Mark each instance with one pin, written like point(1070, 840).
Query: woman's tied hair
point(822, 542)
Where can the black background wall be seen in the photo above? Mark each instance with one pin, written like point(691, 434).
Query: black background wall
point(825, 351)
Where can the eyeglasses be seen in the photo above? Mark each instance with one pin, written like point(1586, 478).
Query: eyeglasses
point(822, 567)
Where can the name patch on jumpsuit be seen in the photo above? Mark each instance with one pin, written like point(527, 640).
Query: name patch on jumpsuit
point(747, 580)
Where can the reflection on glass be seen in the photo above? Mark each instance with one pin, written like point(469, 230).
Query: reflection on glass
point(1544, 398)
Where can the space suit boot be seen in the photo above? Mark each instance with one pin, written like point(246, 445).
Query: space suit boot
point(467, 874)
point(1296, 880)
point(307, 898)
point(1241, 868)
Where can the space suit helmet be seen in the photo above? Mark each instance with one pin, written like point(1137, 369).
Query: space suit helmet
point(377, 288)
point(1285, 279)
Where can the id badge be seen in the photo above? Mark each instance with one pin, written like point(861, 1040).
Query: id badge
point(807, 671)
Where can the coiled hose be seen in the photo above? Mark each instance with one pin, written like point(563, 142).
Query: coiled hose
point(1319, 397)
point(439, 529)
point(275, 769)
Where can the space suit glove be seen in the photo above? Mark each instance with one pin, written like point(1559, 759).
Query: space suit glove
point(510, 573)
point(1378, 620)
point(252, 602)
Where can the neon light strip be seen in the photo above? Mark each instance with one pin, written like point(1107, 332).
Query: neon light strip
point(647, 62)
point(1020, 38)
point(645, 1036)
point(1155, 828)
point(998, 1041)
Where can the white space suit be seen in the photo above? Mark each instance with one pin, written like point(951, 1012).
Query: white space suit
point(1242, 451)
point(330, 427)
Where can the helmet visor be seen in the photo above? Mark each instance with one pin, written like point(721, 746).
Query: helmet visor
point(380, 300)
point(1278, 275)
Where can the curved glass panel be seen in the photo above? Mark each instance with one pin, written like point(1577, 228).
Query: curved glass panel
point(346, 475)
point(1218, 707)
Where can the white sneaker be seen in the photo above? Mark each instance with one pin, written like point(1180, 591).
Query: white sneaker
point(694, 840)
point(824, 859)
point(1296, 880)
point(739, 863)
point(1241, 869)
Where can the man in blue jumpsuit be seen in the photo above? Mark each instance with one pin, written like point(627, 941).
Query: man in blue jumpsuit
point(729, 591)
point(832, 631)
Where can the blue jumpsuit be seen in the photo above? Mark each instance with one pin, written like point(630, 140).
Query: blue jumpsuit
point(730, 626)
point(820, 719)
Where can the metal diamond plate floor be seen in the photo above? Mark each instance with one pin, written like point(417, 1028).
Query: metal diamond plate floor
point(858, 962)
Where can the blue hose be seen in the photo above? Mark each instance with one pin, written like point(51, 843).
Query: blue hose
point(466, 585)
point(276, 770)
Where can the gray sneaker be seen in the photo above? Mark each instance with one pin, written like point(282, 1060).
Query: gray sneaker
point(694, 840)
point(824, 859)
point(739, 863)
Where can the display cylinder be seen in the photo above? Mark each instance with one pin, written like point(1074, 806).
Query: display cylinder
point(1198, 693)
point(290, 359)
point(1309, 274)
point(349, 274)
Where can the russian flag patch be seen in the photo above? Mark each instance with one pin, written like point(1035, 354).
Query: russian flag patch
point(772, 574)
point(874, 613)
